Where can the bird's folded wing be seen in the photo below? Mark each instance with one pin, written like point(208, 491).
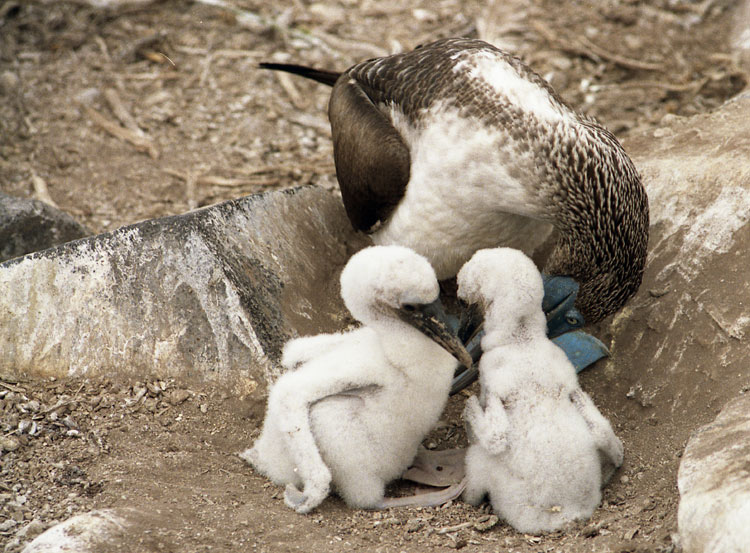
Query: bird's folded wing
point(372, 159)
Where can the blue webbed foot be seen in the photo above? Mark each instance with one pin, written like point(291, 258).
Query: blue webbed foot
point(563, 328)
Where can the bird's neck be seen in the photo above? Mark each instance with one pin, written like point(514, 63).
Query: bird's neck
point(415, 354)
point(600, 210)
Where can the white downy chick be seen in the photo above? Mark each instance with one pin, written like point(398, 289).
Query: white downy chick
point(354, 406)
point(539, 446)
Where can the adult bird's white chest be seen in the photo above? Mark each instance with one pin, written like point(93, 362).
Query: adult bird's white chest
point(468, 189)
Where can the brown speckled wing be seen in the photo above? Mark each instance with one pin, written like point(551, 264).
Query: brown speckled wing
point(372, 159)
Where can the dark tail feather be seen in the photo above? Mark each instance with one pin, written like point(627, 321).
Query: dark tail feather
point(320, 75)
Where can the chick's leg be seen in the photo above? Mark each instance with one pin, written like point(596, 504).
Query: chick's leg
point(488, 426)
point(609, 444)
point(296, 431)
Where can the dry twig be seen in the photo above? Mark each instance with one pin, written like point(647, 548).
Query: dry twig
point(141, 143)
point(456, 528)
point(121, 112)
point(223, 182)
point(40, 189)
point(585, 48)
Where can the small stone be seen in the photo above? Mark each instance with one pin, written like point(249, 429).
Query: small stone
point(460, 543)
point(9, 82)
point(659, 292)
point(33, 406)
point(204, 408)
point(31, 530)
point(88, 96)
point(414, 524)
point(423, 15)
point(9, 443)
point(633, 42)
point(624, 479)
point(138, 393)
point(485, 522)
point(630, 534)
point(648, 504)
point(69, 422)
point(175, 397)
point(663, 132)
point(590, 531)
point(561, 63)
point(7, 524)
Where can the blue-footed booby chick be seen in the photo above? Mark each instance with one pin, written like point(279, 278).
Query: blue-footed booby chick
point(354, 407)
point(458, 146)
point(538, 445)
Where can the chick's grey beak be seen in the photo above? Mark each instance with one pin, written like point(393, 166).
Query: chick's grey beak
point(431, 320)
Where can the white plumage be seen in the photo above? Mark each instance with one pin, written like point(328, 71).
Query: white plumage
point(354, 407)
point(448, 211)
point(539, 446)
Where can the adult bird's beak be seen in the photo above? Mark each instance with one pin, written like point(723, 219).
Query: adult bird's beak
point(564, 322)
point(431, 320)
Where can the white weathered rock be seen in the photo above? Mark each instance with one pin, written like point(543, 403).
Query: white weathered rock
point(87, 533)
point(739, 39)
point(682, 340)
point(215, 292)
point(714, 483)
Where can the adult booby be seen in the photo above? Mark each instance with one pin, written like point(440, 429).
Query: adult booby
point(458, 146)
point(353, 407)
point(538, 445)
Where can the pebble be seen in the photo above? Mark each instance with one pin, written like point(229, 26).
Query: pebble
point(591, 530)
point(414, 524)
point(175, 397)
point(390, 521)
point(460, 543)
point(9, 82)
point(31, 530)
point(7, 524)
point(561, 63)
point(9, 443)
point(633, 42)
point(663, 132)
point(32, 406)
point(88, 96)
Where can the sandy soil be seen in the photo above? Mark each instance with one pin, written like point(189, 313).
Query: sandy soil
point(128, 113)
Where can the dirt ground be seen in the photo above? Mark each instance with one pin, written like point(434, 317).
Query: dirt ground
point(148, 109)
